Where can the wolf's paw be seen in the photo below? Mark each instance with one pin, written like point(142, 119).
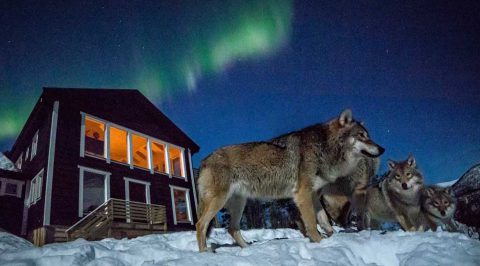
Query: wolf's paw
point(315, 238)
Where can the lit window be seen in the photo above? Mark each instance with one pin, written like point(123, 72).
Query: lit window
point(176, 162)
point(34, 146)
point(181, 204)
point(94, 137)
point(139, 151)
point(18, 163)
point(118, 145)
point(158, 157)
point(35, 189)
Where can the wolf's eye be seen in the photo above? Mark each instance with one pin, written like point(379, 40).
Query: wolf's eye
point(409, 175)
point(436, 203)
point(445, 203)
point(397, 176)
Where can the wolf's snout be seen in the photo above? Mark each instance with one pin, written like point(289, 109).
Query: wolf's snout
point(381, 150)
point(442, 213)
point(404, 186)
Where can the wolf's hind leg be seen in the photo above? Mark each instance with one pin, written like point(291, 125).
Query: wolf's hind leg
point(235, 206)
point(211, 205)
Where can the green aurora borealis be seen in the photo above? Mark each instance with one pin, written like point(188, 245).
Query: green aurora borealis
point(162, 51)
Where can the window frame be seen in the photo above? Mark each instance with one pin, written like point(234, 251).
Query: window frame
point(3, 188)
point(27, 154)
point(106, 184)
point(130, 132)
point(36, 187)
point(188, 202)
point(19, 162)
point(33, 151)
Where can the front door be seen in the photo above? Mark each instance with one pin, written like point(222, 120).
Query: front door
point(137, 192)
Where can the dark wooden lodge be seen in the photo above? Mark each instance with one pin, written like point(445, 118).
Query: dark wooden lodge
point(97, 163)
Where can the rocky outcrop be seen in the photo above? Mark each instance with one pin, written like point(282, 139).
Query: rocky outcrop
point(467, 191)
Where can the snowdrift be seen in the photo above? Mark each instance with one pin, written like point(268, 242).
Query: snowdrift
point(269, 247)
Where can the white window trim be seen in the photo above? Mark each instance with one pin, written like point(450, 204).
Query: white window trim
point(106, 185)
point(6, 181)
point(33, 151)
point(127, 188)
point(189, 208)
point(27, 153)
point(130, 132)
point(192, 178)
point(35, 193)
point(19, 161)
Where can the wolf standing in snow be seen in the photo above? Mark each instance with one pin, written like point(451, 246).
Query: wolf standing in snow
point(396, 197)
point(303, 162)
point(438, 207)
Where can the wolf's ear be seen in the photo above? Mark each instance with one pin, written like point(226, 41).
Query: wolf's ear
point(430, 191)
point(345, 117)
point(449, 191)
point(391, 164)
point(411, 161)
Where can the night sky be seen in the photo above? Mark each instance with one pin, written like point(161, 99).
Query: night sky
point(228, 72)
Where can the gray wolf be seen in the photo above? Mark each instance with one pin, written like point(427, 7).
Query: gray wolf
point(396, 197)
point(438, 207)
point(293, 165)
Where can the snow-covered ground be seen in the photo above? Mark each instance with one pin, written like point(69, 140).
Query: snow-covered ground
point(364, 248)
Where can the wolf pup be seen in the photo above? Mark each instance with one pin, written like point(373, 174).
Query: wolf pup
point(438, 206)
point(299, 164)
point(396, 197)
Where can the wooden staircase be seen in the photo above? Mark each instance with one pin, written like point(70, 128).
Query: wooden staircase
point(113, 216)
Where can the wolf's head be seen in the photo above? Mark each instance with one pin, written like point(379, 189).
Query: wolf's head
point(404, 175)
point(354, 138)
point(439, 202)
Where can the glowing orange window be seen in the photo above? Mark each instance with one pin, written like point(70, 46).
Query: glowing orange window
point(118, 145)
point(176, 162)
point(158, 157)
point(139, 151)
point(94, 137)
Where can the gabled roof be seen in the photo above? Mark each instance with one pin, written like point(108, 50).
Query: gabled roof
point(120, 98)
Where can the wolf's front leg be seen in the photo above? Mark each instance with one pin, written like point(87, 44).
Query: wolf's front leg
point(303, 199)
point(404, 224)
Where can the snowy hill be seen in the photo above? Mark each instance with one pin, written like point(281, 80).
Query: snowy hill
point(270, 247)
point(447, 184)
point(6, 164)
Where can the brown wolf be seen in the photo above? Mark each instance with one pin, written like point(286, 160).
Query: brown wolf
point(438, 206)
point(396, 197)
point(294, 166)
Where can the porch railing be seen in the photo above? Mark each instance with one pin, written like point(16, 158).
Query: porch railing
point(98, 222)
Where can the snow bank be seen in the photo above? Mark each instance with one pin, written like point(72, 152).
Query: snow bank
point(11, 242)
point(270, 247)
point(6, 164)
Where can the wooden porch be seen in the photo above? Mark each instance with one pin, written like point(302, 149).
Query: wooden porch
point(119, 219)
